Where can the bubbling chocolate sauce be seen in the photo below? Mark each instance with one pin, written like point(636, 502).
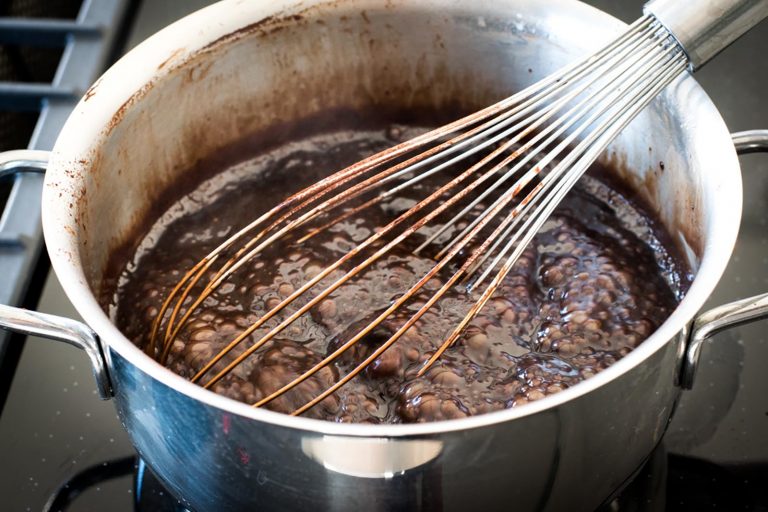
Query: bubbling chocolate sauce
point(598, 279)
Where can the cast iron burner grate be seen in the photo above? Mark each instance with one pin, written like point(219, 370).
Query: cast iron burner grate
point(50, 53)
point(149, 494)
point(665, 482)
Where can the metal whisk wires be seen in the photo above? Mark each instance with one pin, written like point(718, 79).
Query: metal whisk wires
point(521, 156)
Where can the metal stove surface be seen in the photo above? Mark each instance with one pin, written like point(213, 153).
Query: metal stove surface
point(56, 436)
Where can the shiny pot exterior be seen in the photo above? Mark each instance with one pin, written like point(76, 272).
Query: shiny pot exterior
point(570, 457)
point(239, 68)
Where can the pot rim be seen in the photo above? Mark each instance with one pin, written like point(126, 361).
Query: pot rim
point(126, 79)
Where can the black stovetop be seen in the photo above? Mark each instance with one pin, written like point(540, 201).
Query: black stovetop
point(58, 439)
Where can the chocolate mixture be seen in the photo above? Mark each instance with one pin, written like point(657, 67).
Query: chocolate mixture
point(596, 281)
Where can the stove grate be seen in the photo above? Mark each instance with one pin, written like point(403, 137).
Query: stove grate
point(50, 53)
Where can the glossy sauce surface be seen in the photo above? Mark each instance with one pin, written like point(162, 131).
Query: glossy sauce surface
point(596, 281)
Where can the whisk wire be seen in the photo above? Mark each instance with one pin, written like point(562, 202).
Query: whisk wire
point(604, 135)
point(330, 289)
point(326, 186)
point(563, 121)
point(533, 223)
point(605, 99)
point(430, 302)
point(555, 131)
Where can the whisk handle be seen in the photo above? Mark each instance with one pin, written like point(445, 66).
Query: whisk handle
point(705, 27)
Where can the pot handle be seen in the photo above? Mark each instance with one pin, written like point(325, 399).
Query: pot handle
point(58, 328)
point(42, 324)
point(717, 319)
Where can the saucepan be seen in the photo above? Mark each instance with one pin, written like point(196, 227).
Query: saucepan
point(241, 68)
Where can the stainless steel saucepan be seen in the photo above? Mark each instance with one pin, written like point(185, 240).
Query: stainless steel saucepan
point(237, 68)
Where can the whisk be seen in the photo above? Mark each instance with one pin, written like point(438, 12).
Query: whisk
point(519, 156)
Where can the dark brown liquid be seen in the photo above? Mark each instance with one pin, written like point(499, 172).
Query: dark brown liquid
point(595, 282)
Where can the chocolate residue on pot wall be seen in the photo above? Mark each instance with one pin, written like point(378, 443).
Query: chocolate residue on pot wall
point(263, 27)
point(684, 229)
point(233, 104)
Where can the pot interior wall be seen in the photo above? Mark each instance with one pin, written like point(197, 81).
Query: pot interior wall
point(357, 56)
